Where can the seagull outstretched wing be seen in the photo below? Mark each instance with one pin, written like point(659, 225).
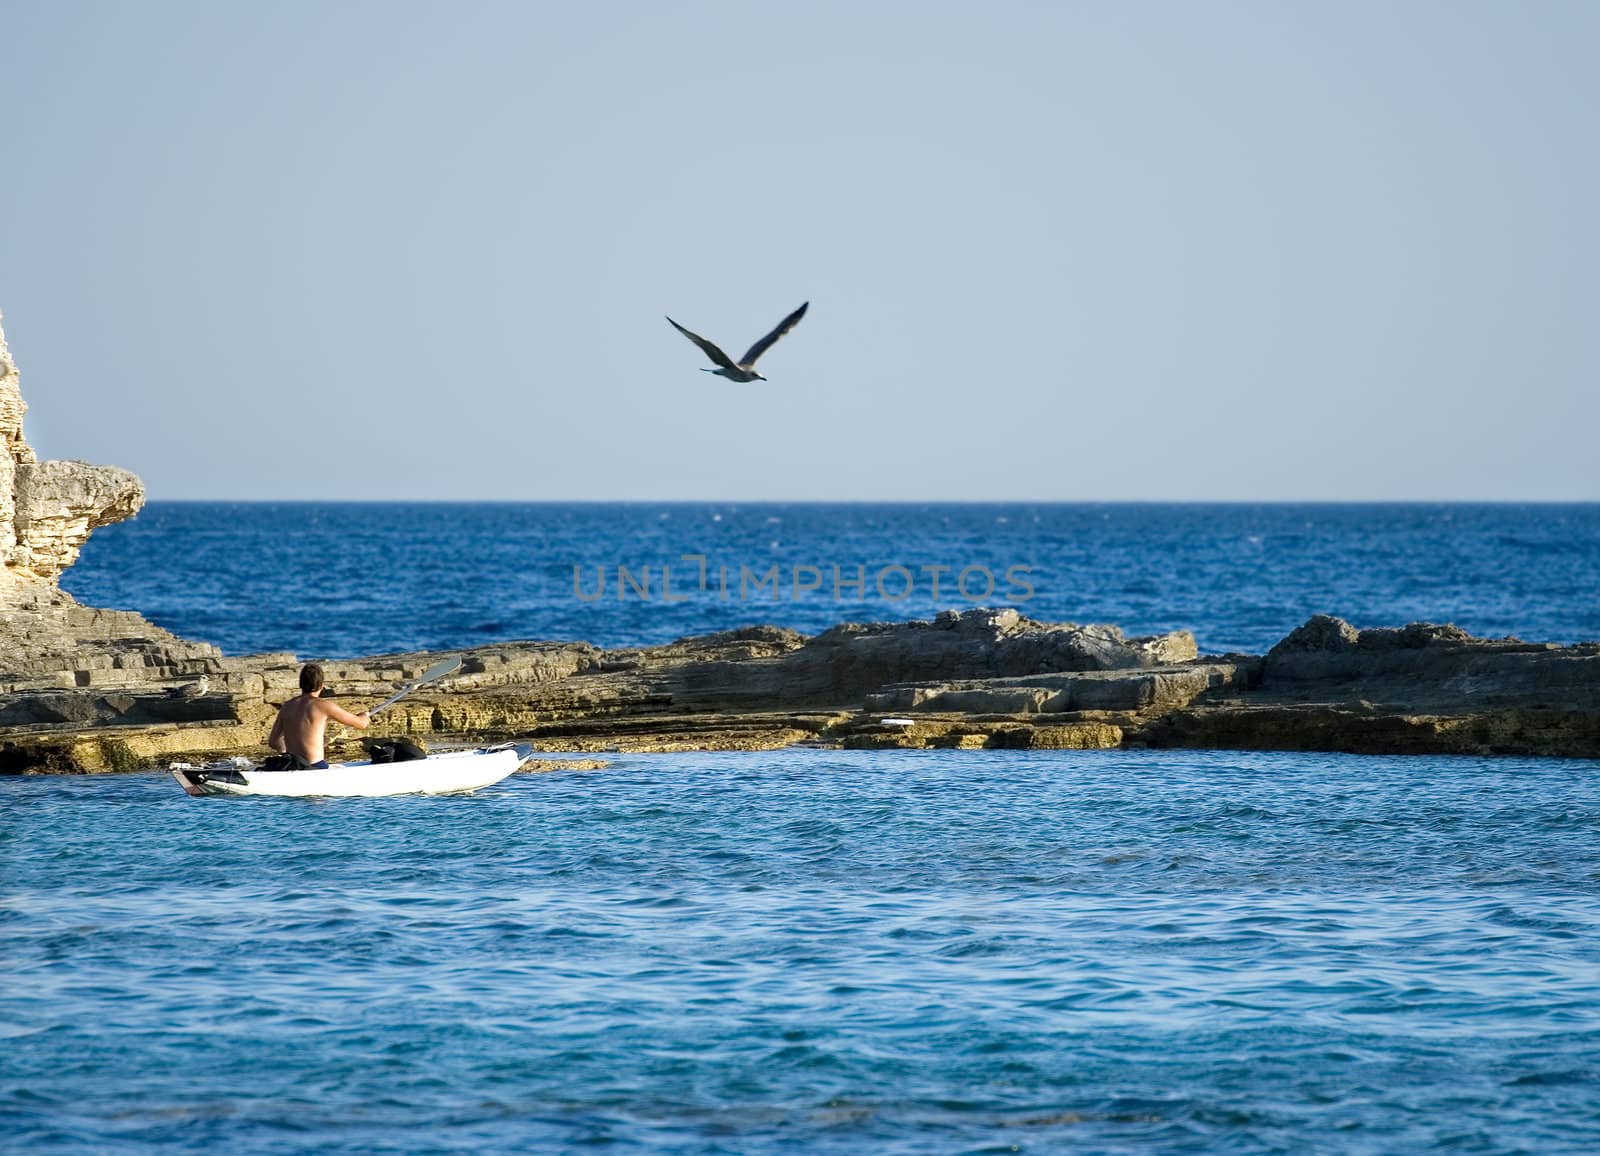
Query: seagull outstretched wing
point(706, 347)
point(770, 339)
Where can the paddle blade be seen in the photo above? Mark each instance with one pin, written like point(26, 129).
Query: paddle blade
point(438, 670)
point(435, 672)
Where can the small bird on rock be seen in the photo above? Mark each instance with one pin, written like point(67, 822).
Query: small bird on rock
point(191, 689)
point(744, 369)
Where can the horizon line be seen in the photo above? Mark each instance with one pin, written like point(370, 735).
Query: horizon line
point(877, 501)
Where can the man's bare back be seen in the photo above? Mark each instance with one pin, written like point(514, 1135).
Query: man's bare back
point(302, 722)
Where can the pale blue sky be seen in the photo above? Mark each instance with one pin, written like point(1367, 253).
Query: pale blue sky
point(1055, 251)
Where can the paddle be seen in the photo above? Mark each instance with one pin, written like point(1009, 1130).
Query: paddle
point(435, 672)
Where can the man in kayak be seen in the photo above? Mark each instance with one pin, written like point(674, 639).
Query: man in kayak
point(298, 731)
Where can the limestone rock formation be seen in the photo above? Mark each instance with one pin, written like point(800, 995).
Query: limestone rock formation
point(1428, 667)
point(57, 505)
point(980, 679)
point(48, 509)
point(852, 660)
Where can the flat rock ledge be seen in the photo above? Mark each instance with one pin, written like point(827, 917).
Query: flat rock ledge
point(95, 691)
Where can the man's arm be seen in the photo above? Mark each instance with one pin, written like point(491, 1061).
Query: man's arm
point(275, 739)
point(338, 714)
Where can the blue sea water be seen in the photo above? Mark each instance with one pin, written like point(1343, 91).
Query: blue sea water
point(951, 951)
point(815, 951)
point(334, 580)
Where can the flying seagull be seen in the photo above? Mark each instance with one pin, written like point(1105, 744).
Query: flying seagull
point(744, 369)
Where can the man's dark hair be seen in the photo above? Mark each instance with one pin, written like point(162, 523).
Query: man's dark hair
point(310, 677)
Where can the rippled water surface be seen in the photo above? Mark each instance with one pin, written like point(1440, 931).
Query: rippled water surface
point(819, 951)
point(344, 579)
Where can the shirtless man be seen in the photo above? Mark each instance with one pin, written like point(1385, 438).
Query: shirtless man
point(303, 720)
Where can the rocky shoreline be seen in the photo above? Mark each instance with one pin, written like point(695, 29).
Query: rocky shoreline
point(981, 679)
point(89, 691)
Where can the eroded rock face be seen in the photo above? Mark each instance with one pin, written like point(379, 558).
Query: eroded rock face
point(47, 640)
point(48, 509)
point(57, 505)
point(1428, 667)
point(12, 448)
point(842, 665)
point(1012, 684)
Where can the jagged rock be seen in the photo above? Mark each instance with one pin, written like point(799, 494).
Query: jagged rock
point(47, 639)
point(1321, 632)
point(841, 666)
point(56, 507)
point(48, 509)
point(1427, 668)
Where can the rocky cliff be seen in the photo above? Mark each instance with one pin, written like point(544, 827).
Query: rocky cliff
point(47, 511)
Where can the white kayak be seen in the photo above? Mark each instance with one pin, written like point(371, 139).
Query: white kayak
point(442, 773)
